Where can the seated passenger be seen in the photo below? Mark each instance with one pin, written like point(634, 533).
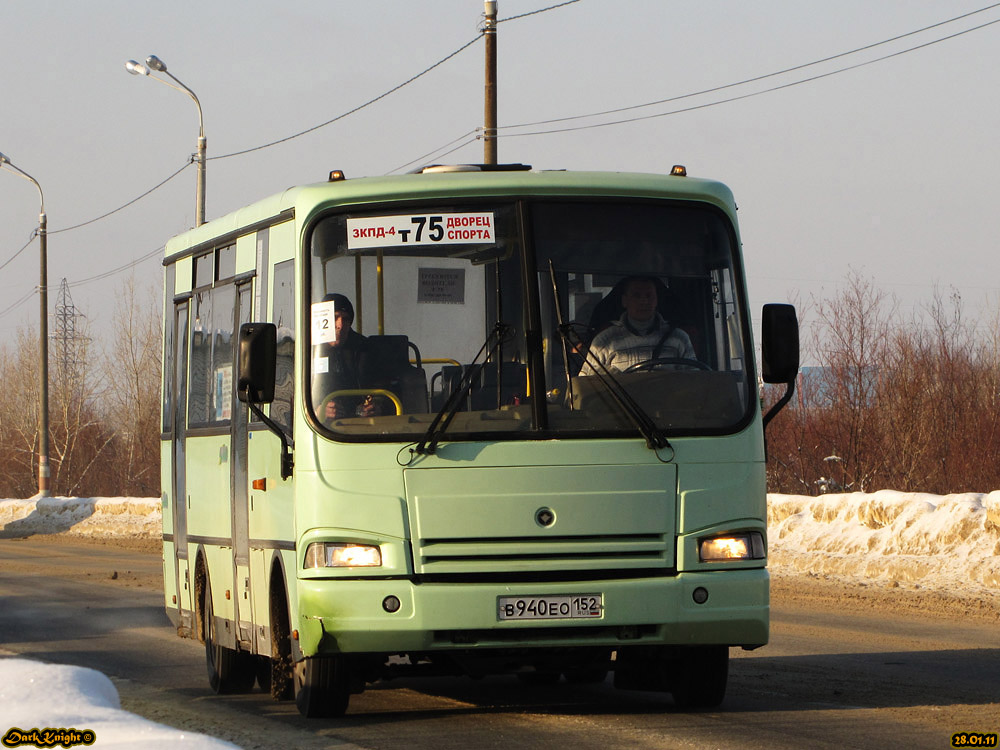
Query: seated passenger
point(337, 366)
point(639, 335)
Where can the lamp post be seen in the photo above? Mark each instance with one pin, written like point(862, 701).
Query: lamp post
point(155, 63)
point(43, 362)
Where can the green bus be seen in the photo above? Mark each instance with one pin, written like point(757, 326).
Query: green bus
point(473, 420)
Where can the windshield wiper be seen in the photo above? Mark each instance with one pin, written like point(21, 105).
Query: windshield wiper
point(655, 439)
point(470, 375)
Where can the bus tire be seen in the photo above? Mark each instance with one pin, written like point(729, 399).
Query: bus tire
point(322, 686)
point(281, 684)
point(700, 677)
point(229, 671)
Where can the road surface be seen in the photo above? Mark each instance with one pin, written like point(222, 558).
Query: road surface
point(846, 667)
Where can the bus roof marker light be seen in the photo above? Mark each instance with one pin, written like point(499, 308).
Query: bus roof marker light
point(679, 170)
point(336, 175)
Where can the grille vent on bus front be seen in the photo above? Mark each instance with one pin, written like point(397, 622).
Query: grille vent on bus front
point(530, 554)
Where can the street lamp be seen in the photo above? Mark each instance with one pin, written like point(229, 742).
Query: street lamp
point(43, 367)
point(155, 63)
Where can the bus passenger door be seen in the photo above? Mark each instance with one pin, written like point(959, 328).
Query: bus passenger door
point(178, 479)
point(238, 488)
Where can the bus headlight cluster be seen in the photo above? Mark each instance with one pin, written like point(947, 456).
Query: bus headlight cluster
point(744, 546)
point(342, 555)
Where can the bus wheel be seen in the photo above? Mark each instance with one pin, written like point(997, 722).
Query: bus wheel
point(700, 677)
point(322, 686)
point(280, 663)
point(229, 671)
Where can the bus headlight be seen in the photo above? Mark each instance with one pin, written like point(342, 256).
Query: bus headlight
point(342, 555)
point(744, 546)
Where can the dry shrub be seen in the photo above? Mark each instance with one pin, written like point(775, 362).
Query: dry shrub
point(905, 405)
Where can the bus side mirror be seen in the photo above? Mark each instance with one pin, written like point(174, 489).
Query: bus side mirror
point(779, 344)
point(257, 363)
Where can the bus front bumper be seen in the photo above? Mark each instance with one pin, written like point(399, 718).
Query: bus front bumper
point(351, 616)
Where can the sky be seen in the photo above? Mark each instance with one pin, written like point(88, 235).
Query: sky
point(886, 170)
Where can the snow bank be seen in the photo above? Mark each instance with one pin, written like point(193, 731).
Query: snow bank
point(944, 542)
point(87, 702)
point(84, 516)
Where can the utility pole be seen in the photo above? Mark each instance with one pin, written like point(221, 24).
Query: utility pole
point(490, 119)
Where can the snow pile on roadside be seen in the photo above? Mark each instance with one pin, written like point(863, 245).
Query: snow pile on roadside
point(61, 700)
point(84, 516)
point(943, 542)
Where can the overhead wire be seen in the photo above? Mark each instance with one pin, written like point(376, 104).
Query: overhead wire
point(17, 304)
point(131, 264)
point(536, 12)
point(358, 108)
point(741, 97)
point(755, 79)
point(434, 152)
point(23, 248)
point(125, 205)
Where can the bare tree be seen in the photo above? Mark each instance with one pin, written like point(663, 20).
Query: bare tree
point(19, 415)
point(132, 398)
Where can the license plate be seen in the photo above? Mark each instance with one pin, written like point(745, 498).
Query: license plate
point(554, 607)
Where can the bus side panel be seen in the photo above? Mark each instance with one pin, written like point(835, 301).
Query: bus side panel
point(171, 599)
point(208, 516)
point(271, 522)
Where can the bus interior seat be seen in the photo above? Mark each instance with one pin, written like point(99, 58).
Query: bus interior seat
point(387, 365)
point(483, 394)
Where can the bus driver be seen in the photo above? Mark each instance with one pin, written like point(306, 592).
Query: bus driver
point(640, 334)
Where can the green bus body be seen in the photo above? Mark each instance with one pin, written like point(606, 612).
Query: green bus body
point(537, 536)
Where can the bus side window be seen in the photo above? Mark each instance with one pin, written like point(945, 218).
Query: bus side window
point(284, 319)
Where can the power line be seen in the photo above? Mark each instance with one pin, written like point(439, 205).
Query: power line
point(536, 12)
point(355, 109)
point(124, 206)
point(17, 304)
point(756, 78)
point(394, 89)
point(422, 159)
point(25, 247)
point(119, 269)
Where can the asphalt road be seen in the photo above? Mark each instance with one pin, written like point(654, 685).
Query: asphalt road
point(844, 668)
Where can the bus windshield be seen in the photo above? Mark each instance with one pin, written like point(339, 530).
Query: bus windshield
point(405, 301)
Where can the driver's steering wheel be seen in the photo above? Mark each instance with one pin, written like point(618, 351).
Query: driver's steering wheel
point(652, 364)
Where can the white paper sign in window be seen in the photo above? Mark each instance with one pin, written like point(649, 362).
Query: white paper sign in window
point(324, 329)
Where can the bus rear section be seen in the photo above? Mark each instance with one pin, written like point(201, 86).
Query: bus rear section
point(524, 438)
